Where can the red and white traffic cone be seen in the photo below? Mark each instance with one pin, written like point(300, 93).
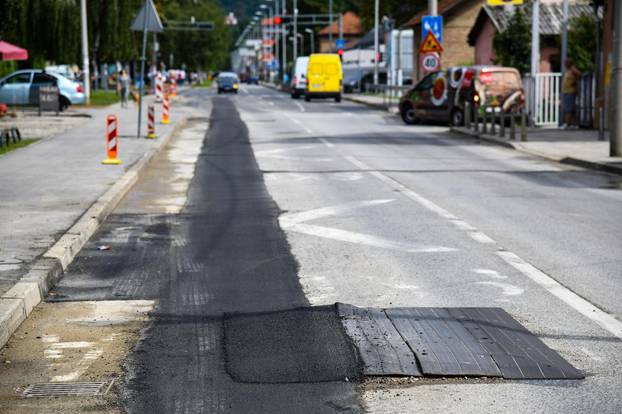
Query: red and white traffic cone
point(165, 107)
point(158, 87)
point(112, 140)
point(151, 122)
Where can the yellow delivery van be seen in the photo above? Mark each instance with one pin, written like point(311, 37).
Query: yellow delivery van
point(324, 76)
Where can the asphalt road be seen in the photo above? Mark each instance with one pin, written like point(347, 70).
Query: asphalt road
point(383, 214)
point(292, 204)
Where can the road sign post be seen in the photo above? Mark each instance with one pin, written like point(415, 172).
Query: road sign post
point(432, 24)
point(430, 62)
point(430, 44)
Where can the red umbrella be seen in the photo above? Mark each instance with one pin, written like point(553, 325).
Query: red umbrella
point(12, 52)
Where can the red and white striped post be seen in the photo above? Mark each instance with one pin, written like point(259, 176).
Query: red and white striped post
point(151, 122)
point(173, 88)
point(158, 89)
point(165, 107)
point(112, 140)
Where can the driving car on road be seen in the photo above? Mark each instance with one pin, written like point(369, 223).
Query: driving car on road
point(324, 76)
point(299, 78)
point(441, 96)
point(22, 88)
point(227, 82)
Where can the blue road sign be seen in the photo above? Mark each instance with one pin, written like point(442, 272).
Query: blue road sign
point(432, 24)
point(340, 43)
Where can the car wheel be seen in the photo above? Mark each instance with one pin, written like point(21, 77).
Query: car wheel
point(295, 95)
point(63, 104)
point(307, 98)
point(457, 117)
point(408, 114)
point(338, 98)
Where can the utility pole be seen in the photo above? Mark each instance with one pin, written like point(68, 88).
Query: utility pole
point(432, 7)
point(564, 35)
point(376, 46)
point(330, 22)
point(284, 40)
point(615, 144)
point(85, 52)
point(276, 42)
point(535, 39)
point(295, 56)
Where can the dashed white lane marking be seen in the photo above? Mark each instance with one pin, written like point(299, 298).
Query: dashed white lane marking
point(295, 222)
point(480, 237)
point(327, 143)
point(575, 301)
point(299, 105)
point(584, 307)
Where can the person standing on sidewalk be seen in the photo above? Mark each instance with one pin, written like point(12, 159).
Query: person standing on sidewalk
point(124, 82)
point(569, 94)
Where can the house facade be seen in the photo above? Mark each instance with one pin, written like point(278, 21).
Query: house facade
point(352, 30)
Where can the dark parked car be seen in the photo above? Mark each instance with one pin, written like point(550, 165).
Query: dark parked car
point(441, 96)
point(227, 82)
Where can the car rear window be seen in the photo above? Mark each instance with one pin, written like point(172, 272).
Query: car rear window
point(316, 68)
point(500, 82)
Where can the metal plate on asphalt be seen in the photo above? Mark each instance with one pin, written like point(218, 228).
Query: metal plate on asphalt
point(450, 342)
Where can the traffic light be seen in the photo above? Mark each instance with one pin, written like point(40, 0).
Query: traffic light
point(278, 20)
point(340, 53)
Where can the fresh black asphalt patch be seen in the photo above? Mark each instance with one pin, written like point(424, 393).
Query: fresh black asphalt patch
point(298, 345)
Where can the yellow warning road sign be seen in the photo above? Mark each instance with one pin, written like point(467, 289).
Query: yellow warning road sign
point(503, 2)
point(430, 44)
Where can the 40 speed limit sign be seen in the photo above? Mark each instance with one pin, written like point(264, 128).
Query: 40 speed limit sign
point(430, 62)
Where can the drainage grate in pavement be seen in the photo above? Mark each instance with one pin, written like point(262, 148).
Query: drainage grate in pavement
point(66, 389)
point(450, 342)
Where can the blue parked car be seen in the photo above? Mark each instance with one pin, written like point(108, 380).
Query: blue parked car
point(22, 88)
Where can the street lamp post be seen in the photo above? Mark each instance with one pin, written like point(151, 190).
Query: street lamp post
point(85, 53)
point(376, 46)
point(295, 56)
point(311, 39)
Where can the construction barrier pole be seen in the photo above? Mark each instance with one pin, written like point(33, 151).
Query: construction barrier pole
point(112, 140)
point(151, 122)
point(165, 108)
point(173, 88)
point(158, 87)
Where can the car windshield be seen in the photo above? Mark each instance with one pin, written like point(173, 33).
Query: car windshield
point(228, 79)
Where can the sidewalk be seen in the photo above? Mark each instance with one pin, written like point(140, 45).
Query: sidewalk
point(579, 147)
point(375, 101)
point(56, 192)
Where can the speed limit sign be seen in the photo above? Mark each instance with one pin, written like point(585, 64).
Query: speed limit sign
point(430, 62)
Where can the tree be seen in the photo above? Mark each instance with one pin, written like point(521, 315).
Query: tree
point(512, 46)
point(582, 42)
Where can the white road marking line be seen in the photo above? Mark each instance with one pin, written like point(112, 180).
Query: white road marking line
point(507, 289)
point(71, 345)
point(308, 130)
point(294, 218)
point(589, 310)
point(299, 105)
point(327, 143)
point(490, 273)
point(480, 237)
point(575, 301)
point(294, 222)
point(263, 153)
point(363, 239)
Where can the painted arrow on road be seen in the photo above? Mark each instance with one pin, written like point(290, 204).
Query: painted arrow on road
point(296, 222)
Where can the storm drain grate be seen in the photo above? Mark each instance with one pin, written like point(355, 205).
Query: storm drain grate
point(66, 389)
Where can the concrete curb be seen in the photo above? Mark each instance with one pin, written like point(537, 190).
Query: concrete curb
point(592, 165)
point(19, 301)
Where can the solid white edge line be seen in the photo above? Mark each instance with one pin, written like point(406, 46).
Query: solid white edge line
point(575, 301)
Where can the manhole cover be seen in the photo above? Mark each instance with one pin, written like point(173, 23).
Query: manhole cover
point(67, 389)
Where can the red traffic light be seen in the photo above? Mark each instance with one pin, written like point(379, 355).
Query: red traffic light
point(340, 52)
point(278, 20)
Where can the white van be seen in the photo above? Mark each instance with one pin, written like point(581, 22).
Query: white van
point(299, 77)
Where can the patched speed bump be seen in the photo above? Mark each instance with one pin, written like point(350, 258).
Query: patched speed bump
point(450, 342)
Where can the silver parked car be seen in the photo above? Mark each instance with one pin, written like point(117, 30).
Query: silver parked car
point(22, 88)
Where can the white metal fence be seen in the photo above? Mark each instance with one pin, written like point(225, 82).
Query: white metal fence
point(543, 98)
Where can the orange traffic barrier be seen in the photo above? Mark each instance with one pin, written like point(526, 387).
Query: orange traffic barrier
point(112, 140)
point(165, 106)
point(151, 122)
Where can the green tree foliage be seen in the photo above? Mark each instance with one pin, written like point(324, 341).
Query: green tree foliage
point(50, 31)
point(513, 45)
point(582, 42)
